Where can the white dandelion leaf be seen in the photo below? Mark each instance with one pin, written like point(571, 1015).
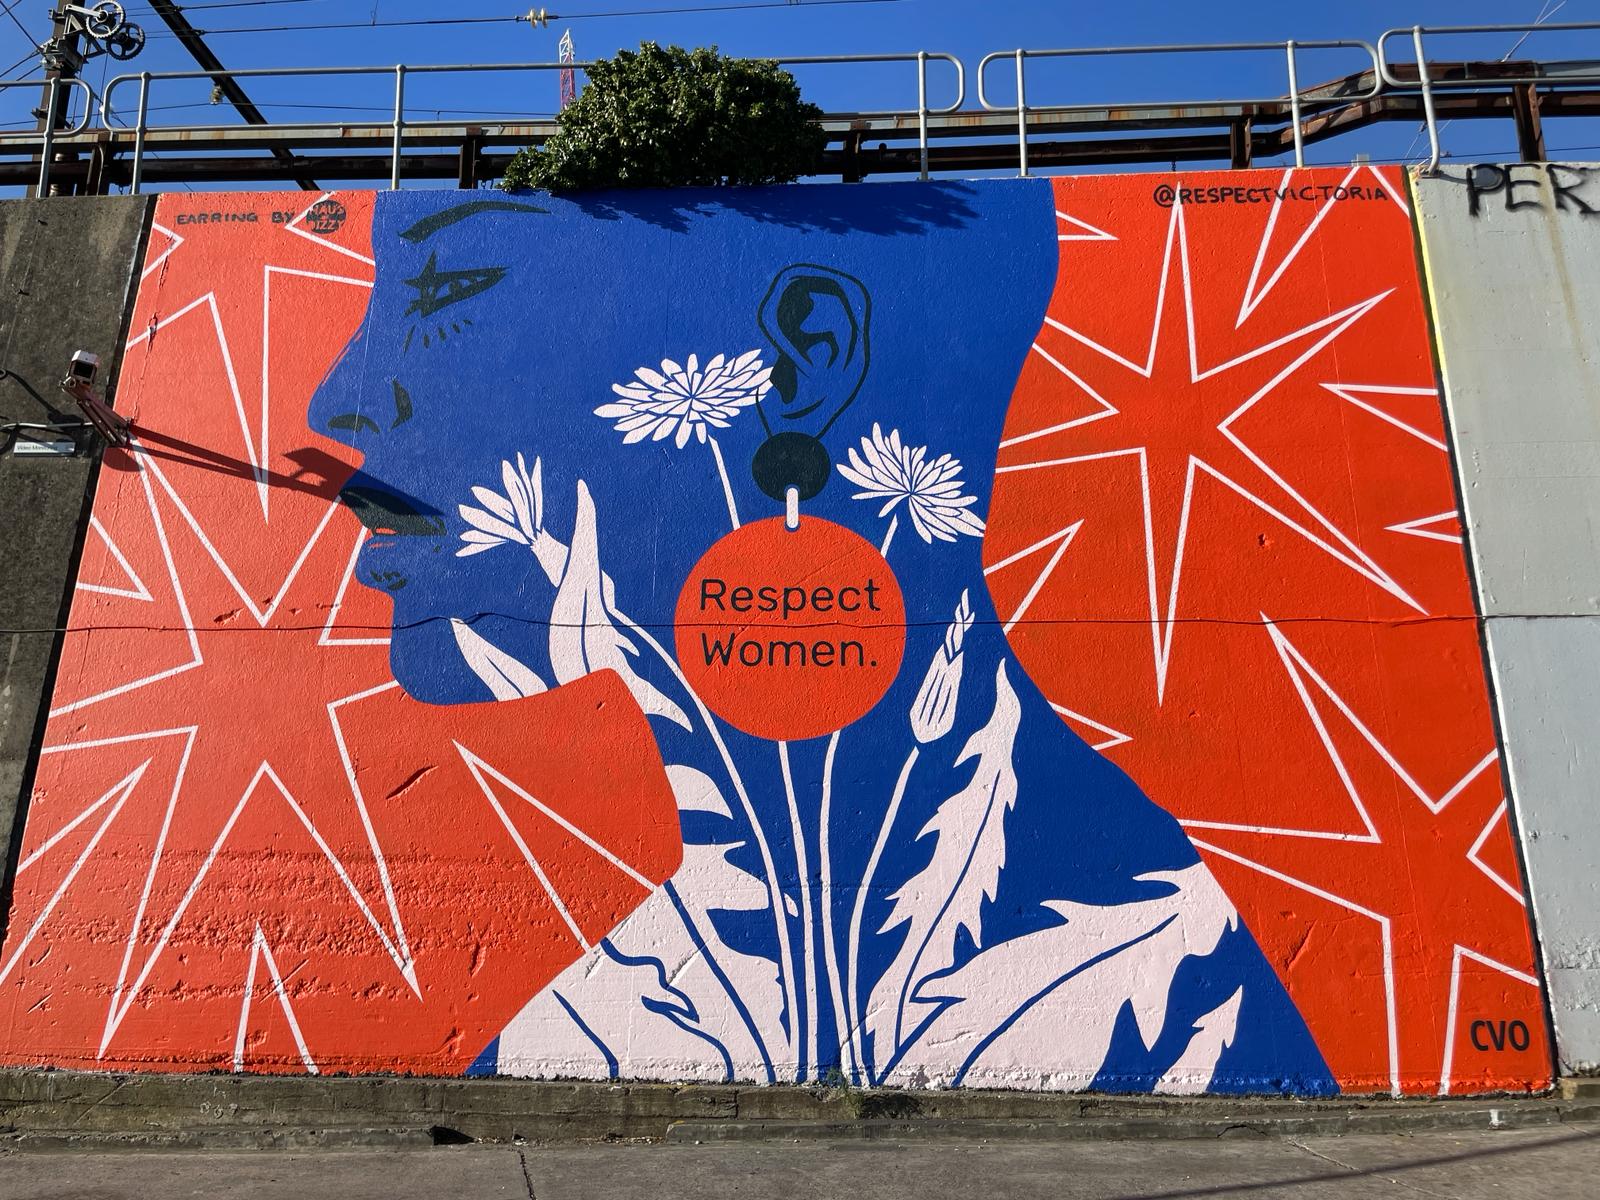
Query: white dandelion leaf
point(609, 1011)
point(886, 469)
point(1196, 1067)
point(948, 894)
point(664, 981)
point(583, 638)
point(506, 678)
point(1040, 1011)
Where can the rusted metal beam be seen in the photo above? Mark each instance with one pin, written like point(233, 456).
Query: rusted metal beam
point(967, 141)
point(467, 165)
point(1530, 128)
point(1239, 148)
point(191, 40)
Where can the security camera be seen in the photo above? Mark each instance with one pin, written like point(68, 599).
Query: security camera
point(83, 367)
point(79, 384)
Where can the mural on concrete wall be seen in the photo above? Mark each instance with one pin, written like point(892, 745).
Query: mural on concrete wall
point(1005, 634)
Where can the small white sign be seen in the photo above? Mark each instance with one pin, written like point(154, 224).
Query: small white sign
point(58, 446)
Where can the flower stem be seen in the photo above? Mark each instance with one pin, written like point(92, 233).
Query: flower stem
point(830, 947)
point(808, 937)
point(727, 487)
point(774, 895)
point(861, 899)
point(894, 523)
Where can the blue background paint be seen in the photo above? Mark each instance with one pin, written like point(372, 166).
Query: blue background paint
point(959, 276)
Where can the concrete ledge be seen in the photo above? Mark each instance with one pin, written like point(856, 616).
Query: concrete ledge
point(64, 1108)
point(1586, 1087)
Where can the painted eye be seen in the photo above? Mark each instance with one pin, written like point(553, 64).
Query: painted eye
point(438, 289)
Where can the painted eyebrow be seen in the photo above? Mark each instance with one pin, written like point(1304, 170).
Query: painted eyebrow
point(428, 226)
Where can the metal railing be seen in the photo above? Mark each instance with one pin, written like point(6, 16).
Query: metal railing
point(400, 72)
point(52, 111)
point(1298, 101)
point(1429, 84)
point(1385, 76)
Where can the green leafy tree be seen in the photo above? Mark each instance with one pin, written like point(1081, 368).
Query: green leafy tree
point(670, 117)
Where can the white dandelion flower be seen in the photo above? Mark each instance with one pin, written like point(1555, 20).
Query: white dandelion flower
point(934, 711)
point(886, 469)
point(513, 515)
point(683, 401)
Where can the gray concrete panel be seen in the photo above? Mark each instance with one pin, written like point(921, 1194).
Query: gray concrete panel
point(65, 270)
point(1547, 676)
point(1511, 255)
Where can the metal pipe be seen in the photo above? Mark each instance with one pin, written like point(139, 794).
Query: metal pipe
point(922, 113)
point(399, 124)
point(1022, 117)
point(106, 106)
point(1133, 105)
point(1294, 107)
point(138, 134)
point(1394, 80)
point(82, 123)
point(47, 147)
point(1428, 114)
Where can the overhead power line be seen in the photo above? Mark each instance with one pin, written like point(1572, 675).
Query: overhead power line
point(18, 23)
point(188, 8)
point(30, 56)
point(226, 85)
point(635, 12)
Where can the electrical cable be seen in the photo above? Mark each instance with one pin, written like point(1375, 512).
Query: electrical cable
point(188, 8)
point(348, 25)
point(436, 21)
point(19, 24)
point(31, 56)
point(1545, 13)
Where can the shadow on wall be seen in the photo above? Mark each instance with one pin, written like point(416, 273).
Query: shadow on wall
point(1387, 1170)
point(319, 473)
point(903, 208)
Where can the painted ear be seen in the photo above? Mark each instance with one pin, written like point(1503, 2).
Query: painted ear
point(818, 320)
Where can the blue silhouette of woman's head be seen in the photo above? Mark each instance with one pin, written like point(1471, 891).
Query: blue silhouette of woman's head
point(890, 318)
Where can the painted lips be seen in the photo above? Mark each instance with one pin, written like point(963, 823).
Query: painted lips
point(384, 511)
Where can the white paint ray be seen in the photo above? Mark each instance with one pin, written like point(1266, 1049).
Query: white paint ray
point(259, 950)
point(196, 658)
point(122, 790)
point(137, 590)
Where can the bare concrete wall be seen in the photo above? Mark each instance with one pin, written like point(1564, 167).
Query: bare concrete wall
point(1511, 256)
point(65, 272)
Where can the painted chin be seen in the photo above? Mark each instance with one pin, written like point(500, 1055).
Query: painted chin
point(400, 530)
point(385, 564)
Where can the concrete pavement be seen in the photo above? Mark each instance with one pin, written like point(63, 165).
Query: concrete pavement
point(1561, 1162)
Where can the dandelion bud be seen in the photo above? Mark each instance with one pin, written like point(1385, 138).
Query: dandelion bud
point(934, 711)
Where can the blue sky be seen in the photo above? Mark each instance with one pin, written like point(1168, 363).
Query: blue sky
point(958, 27)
